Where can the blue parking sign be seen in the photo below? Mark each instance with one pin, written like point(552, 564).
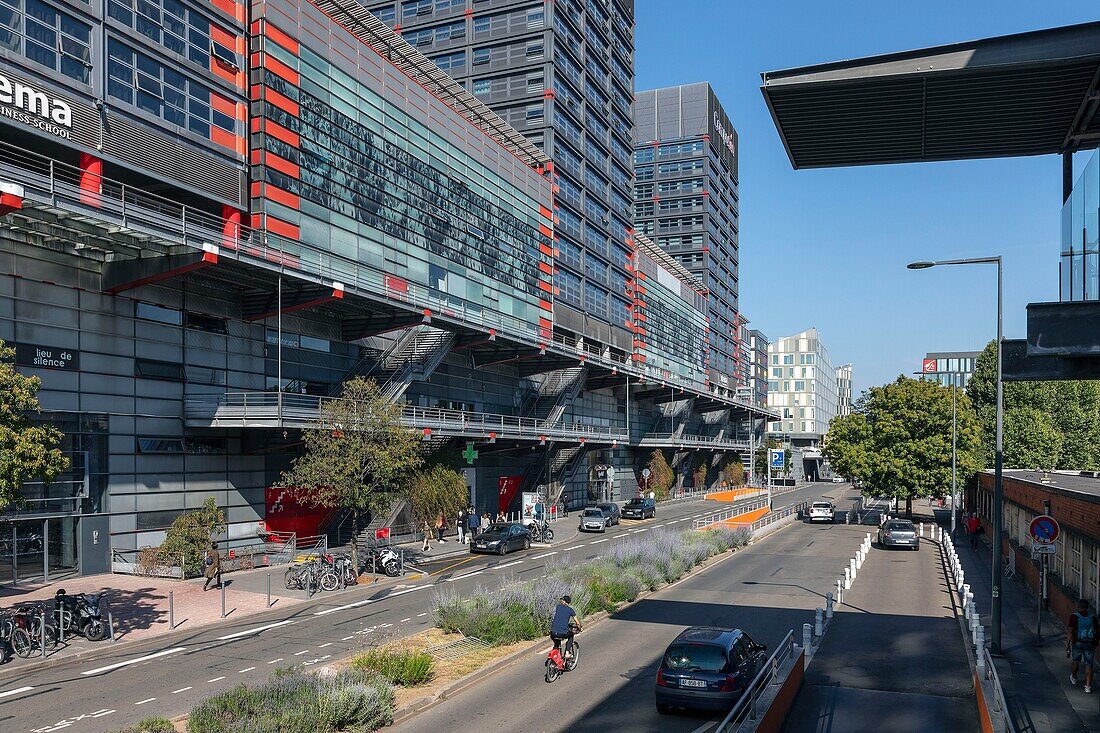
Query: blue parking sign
point(776, 458)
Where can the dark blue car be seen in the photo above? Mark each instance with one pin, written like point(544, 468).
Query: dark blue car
point(707, 668)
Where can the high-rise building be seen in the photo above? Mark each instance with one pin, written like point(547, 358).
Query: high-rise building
point(686, 200)
point(753, 380)
point(802, 387)
point(562, 74)
point(844, 390)
point(949, 367)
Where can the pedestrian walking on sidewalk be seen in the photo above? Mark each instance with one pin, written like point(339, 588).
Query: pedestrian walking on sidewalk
point(475, 524)
point(440, 526)
point(427, 546)
point(501, 517)
point(486, 520)
point(1083, 630)
point(974, 529)
point(212, 570)
point(461, 524)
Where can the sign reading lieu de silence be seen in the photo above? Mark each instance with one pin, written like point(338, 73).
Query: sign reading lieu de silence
point(47, 357)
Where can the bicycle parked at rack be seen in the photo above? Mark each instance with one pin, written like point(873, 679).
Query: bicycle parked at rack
point(28, 626)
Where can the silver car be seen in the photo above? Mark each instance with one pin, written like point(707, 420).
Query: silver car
point(593, 520)
point(898, 533)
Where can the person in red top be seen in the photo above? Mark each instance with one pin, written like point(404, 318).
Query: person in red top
point(974, 528)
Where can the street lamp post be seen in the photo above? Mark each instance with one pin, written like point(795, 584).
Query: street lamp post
point(998, 451)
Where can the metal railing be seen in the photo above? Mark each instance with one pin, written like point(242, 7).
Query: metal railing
point(999, 701)
point(259, 409)
point(681, 440)
point(746, 708)
point(773, 517)
point(731, 513)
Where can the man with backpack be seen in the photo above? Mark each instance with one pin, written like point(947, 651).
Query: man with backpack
point(212, 566)
point(1081, 642)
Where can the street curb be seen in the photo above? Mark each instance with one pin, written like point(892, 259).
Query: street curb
point(423, 704)
point(106, 648)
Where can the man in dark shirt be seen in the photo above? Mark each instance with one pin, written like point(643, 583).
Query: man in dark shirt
point(563, 624)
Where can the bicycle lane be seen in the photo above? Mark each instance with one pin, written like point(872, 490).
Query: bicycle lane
point(170, 677)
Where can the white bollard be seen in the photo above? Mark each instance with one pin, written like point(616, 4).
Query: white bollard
point(847, 579)
point(807, 636)
point(981, 663)
point(819, 623)
point(852, 567)
point(829, 606)
point(922, 529)
point(979, 643)
point(839, 591)
point(974, 631)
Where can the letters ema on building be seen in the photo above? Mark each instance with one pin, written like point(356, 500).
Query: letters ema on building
point(724, 134)
point(32, 107)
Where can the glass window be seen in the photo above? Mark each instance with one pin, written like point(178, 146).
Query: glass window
point(158, 313)
point(205, 323)
point(150, 369)
point(314, 344)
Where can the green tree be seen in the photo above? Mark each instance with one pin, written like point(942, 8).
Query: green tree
point(186, 540)
point(1073, 407)
point(734, 471)
point(762, 458)
point(699, 476)
point(434, 490)
point(1031, 439)
point(359, 457)
point(898, 442)
point(661, 476)
point(27, 452)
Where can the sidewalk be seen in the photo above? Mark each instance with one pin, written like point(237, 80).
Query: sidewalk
point(565, 530)
point(1035, 679)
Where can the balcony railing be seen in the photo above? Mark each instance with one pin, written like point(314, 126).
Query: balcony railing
point(673, 440)
point(272, 409)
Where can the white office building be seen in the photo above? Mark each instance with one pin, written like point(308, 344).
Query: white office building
point(844, 390)
point(803, 387)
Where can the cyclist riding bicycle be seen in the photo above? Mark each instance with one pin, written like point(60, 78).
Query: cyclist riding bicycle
point(564, 625)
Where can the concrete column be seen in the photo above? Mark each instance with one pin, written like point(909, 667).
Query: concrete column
point(91, 179)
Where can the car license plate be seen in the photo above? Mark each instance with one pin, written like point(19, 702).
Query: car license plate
point(693, 683)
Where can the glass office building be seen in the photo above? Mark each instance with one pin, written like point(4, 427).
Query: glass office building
point(949, 367)
point(1079, 264)
point(803, 386)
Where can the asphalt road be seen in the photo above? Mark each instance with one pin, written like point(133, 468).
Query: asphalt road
point(767, 589)
point(170, 674)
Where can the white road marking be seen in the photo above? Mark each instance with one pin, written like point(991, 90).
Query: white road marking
point(246, 669)
point(507, 565)
point(182, 689)
point(273, 661)
point(327, 643)
point(605, 539)
point(407, 590)
point(142, 702)
point(258, 629)
point(405, 619)
point(16, 691)
point(128, 662)
point(574, 547)
point(545, 554)
point(345, 607)
point(422, 615)
point(304, 651)
point(348, 637)
point(467, 575)
point(216, 679)
point(318, 660)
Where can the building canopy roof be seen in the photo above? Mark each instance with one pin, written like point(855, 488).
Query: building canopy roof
point(1026, 94)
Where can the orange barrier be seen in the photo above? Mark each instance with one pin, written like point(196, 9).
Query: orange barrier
point(746, 518)
point(774, 718)
point(983, 708)
point(730, 494)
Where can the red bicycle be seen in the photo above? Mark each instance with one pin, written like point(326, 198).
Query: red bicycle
point(557, 663)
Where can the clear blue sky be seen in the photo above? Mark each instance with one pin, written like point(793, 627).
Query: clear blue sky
point(828, 248)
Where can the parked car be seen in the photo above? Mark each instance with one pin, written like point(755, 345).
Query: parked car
point(593, 519)
point(502, 539)
point(707, 668)
point(822, 511)
point(639, 507)
point(838, 479)
point(611, 509)
point(898, 533)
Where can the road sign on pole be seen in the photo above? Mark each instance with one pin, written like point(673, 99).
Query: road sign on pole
point(1037, 550)
point(775, 458)
point(1044, 529)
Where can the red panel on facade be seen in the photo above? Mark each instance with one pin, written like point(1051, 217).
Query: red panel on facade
point(287, 511)
point(280, 69)
point(280, 196)
point(281, 164)
point(276, 130)
point(274, 34)
point(282, 102)
point(286, 229)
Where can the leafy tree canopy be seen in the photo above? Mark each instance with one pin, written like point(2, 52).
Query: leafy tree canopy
point(897, 442)
point(27, 452)
point(661, 476)
point(187, 539)
point(434, 490)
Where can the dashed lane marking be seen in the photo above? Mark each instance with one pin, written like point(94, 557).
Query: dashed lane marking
point(16, 691)
point(216, 679)
point(304, 651)
point(574, 547)
point(327, 643)
point(182, 689)
point(128, 662)
point(422, 615)
point(273, 661)
point(246, 669)
point(545, 554)
point(605, 539)
point(467, 575)
point(405, 619)
point(258, 629)
point(507, 565)
point(348, 637)
point(142, 702)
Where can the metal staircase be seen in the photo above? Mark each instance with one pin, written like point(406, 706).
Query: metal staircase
point(555, 393)
point(412, 357)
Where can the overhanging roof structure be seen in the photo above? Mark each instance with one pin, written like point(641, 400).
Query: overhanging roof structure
point(1025, 94)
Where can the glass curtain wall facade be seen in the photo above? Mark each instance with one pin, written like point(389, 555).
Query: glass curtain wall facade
point(563, 75)
point(355, 158)
point(844, 390)
point(1079, 264)
point(686, 200)
point(802, 386)
point(949, 367)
